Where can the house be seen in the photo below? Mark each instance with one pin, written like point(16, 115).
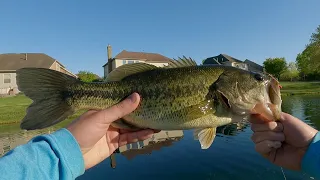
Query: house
point(156, 142)
point(223, 59)
point(228, 60)
point(252, 66)
point(128, 57)
point(11, 62)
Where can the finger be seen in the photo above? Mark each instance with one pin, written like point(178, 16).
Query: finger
point(286, 116)
point(89, 113)
point(258, 119)
point(271, 126)
point(265, 147)
point(135, 136)
point(267, 135)
point(119, 110)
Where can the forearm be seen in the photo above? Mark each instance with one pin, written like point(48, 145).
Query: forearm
point(311, 159)
point(50, 156)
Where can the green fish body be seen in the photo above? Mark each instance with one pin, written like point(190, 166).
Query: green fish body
point(178, 97)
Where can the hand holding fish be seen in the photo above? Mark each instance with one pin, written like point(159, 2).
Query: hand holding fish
point(97, 139)
point(285, 142)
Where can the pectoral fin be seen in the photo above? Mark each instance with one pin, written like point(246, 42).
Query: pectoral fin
point(205, 136)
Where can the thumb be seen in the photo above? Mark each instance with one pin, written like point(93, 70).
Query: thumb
point(119, 110)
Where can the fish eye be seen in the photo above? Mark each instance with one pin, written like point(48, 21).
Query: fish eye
point(258, 77)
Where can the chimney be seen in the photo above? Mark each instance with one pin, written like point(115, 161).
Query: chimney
point(109, 50)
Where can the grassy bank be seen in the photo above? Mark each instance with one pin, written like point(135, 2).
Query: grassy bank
point(13, 109)
point(300, 88)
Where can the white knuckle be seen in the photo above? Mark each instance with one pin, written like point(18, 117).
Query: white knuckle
point(274, 144)
point(263, 147)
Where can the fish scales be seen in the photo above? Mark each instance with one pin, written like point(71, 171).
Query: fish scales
point(179, 96)
point(163, 99)
point(152, 86)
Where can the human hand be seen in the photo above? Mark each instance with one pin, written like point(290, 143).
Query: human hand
point(97, 139)
point(284, 143)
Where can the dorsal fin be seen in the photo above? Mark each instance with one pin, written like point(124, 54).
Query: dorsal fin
point(181, 62)
point(127, 70)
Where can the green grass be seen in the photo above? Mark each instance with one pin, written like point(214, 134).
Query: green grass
point(300, 88)
point(13, 109)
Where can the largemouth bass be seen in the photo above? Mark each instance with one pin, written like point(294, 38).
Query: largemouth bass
point(180, 96)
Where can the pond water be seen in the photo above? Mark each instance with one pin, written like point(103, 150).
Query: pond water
point(231, 156)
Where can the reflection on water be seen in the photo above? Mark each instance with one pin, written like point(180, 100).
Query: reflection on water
point(156, 142)
point(175, 155)
point(165, 139)
point(305, 108)
point(11, 140)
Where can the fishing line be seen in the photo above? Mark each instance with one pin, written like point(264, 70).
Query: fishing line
point(285, 178)
point(283, 173)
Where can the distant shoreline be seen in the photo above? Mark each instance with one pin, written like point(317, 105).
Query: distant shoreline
point(300, 88)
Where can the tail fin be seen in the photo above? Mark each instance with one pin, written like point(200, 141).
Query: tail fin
point(47, 89)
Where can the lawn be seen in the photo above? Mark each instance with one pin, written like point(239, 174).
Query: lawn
point(300, 88)
point(13, 109)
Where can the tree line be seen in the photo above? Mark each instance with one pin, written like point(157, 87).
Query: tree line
point(87, 76)
point(306, 66)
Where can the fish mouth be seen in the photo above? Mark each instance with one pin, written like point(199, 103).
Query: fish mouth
point(270, 107)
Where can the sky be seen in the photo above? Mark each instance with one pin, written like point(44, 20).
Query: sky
point(77, 32)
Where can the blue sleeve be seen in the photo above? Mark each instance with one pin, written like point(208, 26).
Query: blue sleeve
point(311, 159)
point(49, 156)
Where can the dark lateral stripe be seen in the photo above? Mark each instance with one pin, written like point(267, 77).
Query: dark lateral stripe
point(106, 91)
point(96, 94)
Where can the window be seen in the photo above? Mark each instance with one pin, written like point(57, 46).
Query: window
point(128, 61)
point(7, 78)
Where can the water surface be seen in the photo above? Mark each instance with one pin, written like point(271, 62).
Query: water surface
point(231, 156)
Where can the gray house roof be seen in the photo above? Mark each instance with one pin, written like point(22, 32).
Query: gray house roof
point(220, 59)
point(253, 66)
point(13, 61)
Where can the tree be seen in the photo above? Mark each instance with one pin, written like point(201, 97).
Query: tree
point(291, 73)
point(308, 61)
point(315, 37)
point(275, 66)
point(87, 76)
